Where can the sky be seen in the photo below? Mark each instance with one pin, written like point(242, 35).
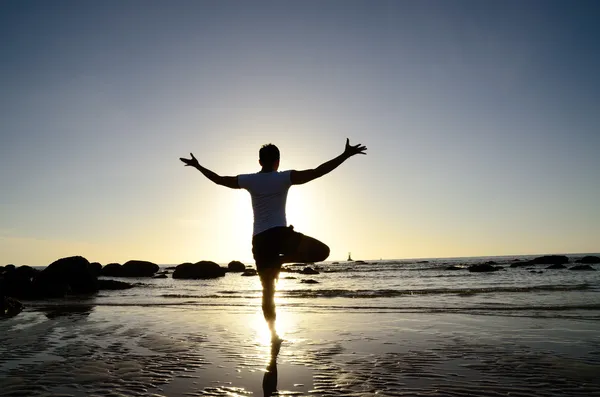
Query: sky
point(481, 121)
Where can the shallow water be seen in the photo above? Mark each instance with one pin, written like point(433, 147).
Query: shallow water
point(400, 286)
point(190, 351)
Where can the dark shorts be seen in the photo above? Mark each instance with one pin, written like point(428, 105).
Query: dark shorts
point(269, 246)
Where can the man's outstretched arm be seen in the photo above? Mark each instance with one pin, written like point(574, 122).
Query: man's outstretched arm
point(300, 177)
point(228, 181)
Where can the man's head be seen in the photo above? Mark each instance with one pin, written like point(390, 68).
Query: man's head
point(268, 157)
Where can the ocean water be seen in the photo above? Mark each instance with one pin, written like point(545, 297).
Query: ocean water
point(403, 286)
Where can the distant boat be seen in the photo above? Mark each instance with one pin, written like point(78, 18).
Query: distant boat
point(349, 257)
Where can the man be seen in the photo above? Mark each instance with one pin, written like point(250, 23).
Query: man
point(273, 242)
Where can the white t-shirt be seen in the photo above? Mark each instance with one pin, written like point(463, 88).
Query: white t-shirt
point(268, 191)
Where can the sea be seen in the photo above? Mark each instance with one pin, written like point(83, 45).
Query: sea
point(402, 286)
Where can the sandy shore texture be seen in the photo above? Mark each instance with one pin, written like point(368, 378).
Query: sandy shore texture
point(79, 350)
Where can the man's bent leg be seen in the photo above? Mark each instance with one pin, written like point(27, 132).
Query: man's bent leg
point(308, 250)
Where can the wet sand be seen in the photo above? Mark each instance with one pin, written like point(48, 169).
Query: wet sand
point(225, 351)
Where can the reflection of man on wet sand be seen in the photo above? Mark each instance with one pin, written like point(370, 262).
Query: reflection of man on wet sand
point(273, 241)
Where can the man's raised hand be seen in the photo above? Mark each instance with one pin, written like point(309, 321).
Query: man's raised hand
point(351, 150)
point(191, 162)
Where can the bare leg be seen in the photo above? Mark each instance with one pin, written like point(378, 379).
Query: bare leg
point(268, 276)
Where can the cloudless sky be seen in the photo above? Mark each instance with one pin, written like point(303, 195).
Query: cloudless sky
point(481, 121)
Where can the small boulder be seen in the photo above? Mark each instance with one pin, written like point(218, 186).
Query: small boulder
point(137, 268)
point(112, 270)
point(249, 273)
point(95, 268)
point(18, 281)
point(557, 266)
point(236, 267)
point(483, 268)
point(198, 270)
point(161, 276)
point(309, 281)
point(589, 259)
point(308, 270)
point(549, 260)
point(582, 267)
point(9, 306)
point(113, 285)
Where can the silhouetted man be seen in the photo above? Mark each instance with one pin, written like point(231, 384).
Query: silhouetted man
point(273, 241)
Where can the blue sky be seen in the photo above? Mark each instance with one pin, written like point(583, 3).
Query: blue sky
point(481, 120)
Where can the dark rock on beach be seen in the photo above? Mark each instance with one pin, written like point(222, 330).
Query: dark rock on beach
point(556, 266)
point(452, 267)
point(9, 306)
point(112, 270)
point(136, 268)
point(590, 259)
point(483, 268)
point(236, 267)
point(249, 273)
point(308, 270)
point(549, 260)
point(543, 260)
point(582, 267)
point(95, 268)
point(64, 276)
point(113, 285)
point(309, 281)
point(133, 268)
point(199, 270)
point(161, 276)
point(17, 281)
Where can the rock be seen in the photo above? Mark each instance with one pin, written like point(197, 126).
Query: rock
point(590, 259)
point(112, 270)
point(549, 260)
point(199, 270)
point(453, 267)
point(582, 267)
point(236, 267)
point(64, 276)
point(557, 266)
point(113, 285)
point(289, 278)
point(9, 306)
point(422, 262)
point(137, 268)
point(95, 268)
point(335, 263)
point(171, 267)
point(161, 276)
point(483, 268)
point(308, 270)
point(18, 281)
point(309, 281)
point(250, 272)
